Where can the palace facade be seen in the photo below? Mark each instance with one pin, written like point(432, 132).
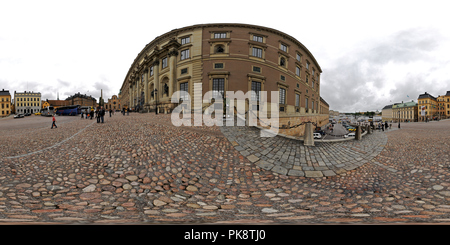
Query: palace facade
point(226, 57)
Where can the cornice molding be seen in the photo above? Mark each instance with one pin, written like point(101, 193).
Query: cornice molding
point(174, 42)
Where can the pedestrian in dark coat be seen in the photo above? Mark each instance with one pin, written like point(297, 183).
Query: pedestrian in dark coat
point(97, 114)
point(102, 113)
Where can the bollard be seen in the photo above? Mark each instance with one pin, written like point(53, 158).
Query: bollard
point(368, 129)
point(308, 139)
point(358, 135)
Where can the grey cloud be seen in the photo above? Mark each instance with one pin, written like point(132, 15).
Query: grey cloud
point(346, 86)
point(404, 46)
point(63, 83)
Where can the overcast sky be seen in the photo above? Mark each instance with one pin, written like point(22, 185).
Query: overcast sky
point(372, 53)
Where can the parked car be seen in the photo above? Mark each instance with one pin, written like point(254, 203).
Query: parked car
point(19, 116)
point(317, 135)
point(37, 113)
point(351, 134)
point(320, 132)
point(27, 114)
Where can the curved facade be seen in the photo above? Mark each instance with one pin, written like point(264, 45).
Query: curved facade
point(224, 57)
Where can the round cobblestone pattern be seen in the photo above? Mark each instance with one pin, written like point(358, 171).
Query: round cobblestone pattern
point(290, 157)
point(142, 169)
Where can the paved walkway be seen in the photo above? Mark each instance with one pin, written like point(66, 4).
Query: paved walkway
point(290, 157)
point(140, 169)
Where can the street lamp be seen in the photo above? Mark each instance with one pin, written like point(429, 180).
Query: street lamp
point(156, 101)
point(399, 119)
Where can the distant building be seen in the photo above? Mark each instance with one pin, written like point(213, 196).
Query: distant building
point(113, 104)
point(405, 112)
point(428, 106)
point(386, 113)
point(334, 113)
point(27, 102)
point(444, 105)
point(5, 100)
point(56, 103)
point(82, 100)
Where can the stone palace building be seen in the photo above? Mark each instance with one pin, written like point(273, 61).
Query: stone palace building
point(228, 57)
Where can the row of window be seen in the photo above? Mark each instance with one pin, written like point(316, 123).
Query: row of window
point(438, 107)
point(27, 104)
point(27, 99)
point(184, 54)
point(256, 52)
point(27, 110)
point(3, 99)
point(218, 90)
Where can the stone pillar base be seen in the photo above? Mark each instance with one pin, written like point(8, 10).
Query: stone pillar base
point(308, 137)
point(358, 135)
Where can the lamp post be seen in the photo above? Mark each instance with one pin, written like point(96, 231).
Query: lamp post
point(156, 101)
point(399, 119)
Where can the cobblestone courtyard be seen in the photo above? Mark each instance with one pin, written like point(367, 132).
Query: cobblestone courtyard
point(142, 169)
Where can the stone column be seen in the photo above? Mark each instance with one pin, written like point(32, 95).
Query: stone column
point(146, 90)
point(358, 135)
point(173, 71)
point(130, 96)
point(138, 92)
point(156, 80)
point(308, 138)
point(134, 94)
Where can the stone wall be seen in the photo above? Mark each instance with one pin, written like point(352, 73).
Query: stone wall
point(286, 124)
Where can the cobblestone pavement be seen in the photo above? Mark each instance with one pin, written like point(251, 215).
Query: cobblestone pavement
point(289, 157)
point(142, 169)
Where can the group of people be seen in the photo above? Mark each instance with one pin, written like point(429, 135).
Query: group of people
point(384, 125)
point(99, 114)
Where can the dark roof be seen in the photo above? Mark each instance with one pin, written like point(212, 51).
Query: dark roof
point(406, 104)
point(426, 95)
point(83, 96)
point(448, 93)
point(4, 92)
point(387, 107)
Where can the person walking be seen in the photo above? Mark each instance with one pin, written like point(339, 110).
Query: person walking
point(102, 113)
point(97, 114)
point(54, 122)
point(110, 112)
